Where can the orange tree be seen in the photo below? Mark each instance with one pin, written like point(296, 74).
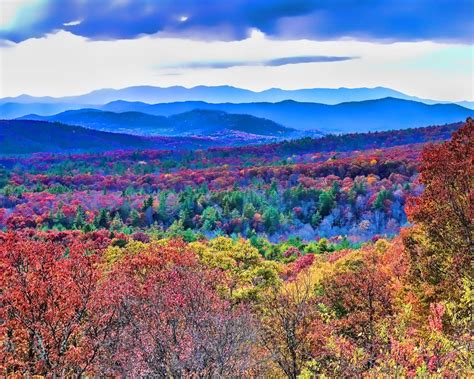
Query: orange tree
point(440, 248)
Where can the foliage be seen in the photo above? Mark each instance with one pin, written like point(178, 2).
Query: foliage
point(120, 270)
point(248, 274)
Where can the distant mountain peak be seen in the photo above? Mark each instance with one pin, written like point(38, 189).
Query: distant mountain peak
point(218, 94)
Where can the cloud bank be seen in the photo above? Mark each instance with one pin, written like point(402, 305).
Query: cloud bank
point(65, 64)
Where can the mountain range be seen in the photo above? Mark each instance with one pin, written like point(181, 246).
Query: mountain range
point(267, 119)
point(13, 107)
point(146, 117)
point(216, 94)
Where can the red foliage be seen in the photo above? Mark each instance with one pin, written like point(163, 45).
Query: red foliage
point(435, 318)
point(446, 207)
point(444, 214)
point(170, 320)
point(360, 298)
point(49, 292)
point(298, 265)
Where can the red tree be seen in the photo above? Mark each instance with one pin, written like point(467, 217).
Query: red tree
point(170, 321)
point(48, 294)
point(359, 298)
point(446, 207)
point(441, 247)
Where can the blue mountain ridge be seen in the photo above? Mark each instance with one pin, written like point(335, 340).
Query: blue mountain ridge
point(218, 94)
point(363, 116)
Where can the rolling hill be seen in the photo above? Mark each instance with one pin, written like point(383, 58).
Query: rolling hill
point(28, 136)
point(126, 122)
point(208, 122)
point(193, 122)
point(18, 136)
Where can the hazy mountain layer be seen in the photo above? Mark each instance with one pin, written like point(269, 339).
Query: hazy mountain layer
point(192, 122)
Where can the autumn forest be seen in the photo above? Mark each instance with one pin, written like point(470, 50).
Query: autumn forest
point(227, 189)
point(346, 256)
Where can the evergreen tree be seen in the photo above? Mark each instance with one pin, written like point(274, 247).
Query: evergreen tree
point(271, 220)
point(326, 203)
point(79, 220)
point(102, 219)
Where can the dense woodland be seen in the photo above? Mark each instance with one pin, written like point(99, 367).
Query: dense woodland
point(337, 186)
point(345, 256)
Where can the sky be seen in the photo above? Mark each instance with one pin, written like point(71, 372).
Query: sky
point(424, 48)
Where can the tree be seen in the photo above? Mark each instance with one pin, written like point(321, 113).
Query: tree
point(116, 223)
point(446, 207)
point(4, 176)
point(287, 316)
point(441, 246)
point(357, 298)
point(163, 213)
point(380, 201)
point(50, 324)
point(135, 218)
point(271, 220)
point(170, 320)
point(102, 220)
point(326, 203)
point(249, 211)
point(209, 218)
point(248, 274)
point(147, 203)
point(79, 220)
point(315, 219)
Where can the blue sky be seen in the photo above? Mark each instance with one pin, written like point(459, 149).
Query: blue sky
point(62, 47)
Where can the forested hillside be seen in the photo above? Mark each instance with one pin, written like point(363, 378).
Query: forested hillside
point(193, 122)
point(20, 137)
point(141, 264)
point(349, 186)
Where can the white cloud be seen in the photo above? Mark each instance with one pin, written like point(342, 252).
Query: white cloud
point(64, 64)
point(73, 23)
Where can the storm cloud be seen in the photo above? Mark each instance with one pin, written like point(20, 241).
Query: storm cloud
point(388, 20)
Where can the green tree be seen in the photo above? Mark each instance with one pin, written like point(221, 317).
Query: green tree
point(382, 196)
point(102, 219)
point(326, 203)
point(79, 219)
point(271, 219)
point(209, 218)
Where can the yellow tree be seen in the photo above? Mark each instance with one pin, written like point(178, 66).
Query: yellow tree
point(248, 273)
